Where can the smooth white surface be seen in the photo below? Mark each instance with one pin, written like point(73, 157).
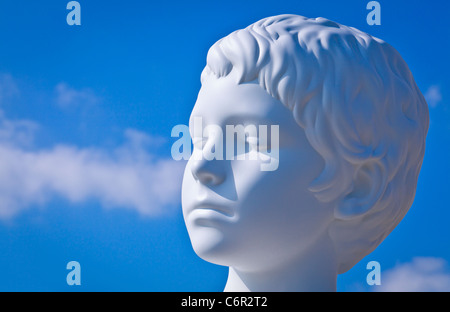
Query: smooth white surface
point(352, 127)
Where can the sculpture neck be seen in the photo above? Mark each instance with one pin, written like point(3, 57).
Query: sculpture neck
point(317, 271)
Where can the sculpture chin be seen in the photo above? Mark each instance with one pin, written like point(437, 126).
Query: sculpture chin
point(210, 244)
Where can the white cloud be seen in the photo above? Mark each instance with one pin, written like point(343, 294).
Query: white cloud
point(433, 96)
point(126, 176)
point(67, 96)
point(19, 132)
point(422, 274)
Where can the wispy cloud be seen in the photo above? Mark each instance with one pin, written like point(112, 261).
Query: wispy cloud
point(8, 87)
point(422, 274)
point(19, 132)
point(66, 96)
point(129, 175)
point(433, 95)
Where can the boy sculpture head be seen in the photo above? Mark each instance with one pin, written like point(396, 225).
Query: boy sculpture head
point(352, 129)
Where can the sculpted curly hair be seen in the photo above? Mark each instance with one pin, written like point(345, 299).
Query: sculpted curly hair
point(359, 106)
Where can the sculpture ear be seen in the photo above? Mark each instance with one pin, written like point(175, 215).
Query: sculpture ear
point(369, 184)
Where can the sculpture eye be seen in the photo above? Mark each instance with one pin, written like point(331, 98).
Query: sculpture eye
point(199, 142)
point(256, 145)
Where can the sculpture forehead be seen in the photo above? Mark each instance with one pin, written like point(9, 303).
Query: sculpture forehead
point(222, 98)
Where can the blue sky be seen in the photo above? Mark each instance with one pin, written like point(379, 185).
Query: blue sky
point(85, 119)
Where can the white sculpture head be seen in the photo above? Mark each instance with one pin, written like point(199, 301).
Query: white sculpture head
point(352, 128)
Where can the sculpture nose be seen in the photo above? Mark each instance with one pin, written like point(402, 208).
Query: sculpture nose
point(208, 172)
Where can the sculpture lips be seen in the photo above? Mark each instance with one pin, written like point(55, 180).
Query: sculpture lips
point(213, 207)
point(211, 216)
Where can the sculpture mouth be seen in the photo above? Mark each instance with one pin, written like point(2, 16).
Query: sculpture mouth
point(204, 207)
point(206, 214)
